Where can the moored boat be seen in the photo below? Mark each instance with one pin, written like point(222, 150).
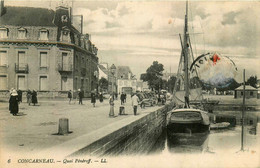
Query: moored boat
point(187, 89)
point(188, 120)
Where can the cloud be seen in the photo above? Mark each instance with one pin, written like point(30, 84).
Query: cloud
point(230, 17)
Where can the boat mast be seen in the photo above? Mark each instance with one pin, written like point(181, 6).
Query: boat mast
point(186, 58)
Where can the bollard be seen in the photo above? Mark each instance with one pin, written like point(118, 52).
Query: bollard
point(63, 126)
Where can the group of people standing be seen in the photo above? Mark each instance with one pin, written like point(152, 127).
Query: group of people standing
point(31, 97)
point(135, 102)
point(80, 96)
point(16, 98)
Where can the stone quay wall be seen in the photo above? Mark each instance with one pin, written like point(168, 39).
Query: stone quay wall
point(137, 137)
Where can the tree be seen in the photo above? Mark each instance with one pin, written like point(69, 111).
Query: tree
point(153, 76)
point(252, 81)
point(103, 84)
point(171, 83)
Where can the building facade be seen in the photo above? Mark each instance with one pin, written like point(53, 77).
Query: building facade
point(40, 49)
point(250, 92)
point(109, 75)
point(126, 81)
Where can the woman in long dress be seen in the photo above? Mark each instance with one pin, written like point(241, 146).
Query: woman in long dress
point(34, 97)
point(13, 103)
point(111, 102)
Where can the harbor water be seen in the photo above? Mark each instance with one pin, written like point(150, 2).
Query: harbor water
point(221, 141)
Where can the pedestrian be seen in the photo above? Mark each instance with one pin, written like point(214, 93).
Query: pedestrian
point(34, 97)
point(135, 101)
point(111, 103)
point(29, 97)
point(69, 96)
point(101, 97)
point(116, 94)
point(20, 95)
point(13, 102)
point(122, 98)
point(80, 94)
point(93, 97)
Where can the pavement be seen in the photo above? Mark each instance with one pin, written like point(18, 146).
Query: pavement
point(35, 127)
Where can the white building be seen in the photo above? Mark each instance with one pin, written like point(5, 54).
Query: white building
point(126, 81)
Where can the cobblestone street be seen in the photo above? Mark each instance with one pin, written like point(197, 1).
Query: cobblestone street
point(34, 128)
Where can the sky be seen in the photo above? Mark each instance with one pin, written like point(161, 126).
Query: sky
point(136, 33)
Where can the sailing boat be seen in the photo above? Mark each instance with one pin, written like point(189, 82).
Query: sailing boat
point(187, 89)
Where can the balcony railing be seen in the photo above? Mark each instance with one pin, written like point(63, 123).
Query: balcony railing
point(65, 68)
point(21, 68)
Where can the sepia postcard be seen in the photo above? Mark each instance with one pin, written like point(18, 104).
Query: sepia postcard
point(132, 84)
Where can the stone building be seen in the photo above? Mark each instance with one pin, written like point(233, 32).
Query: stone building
point(250, 92)
point(40, 49)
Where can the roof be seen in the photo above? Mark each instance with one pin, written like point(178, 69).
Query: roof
point(113, 66)
point(122, 72)
point(27, 16)
point(102, 68)
point(247, 87)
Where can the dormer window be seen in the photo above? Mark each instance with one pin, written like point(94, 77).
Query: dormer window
point(44, 34)
point(3, 33)
point(65, 35)
point(22, 33)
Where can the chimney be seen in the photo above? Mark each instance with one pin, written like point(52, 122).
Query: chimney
point(2, 8)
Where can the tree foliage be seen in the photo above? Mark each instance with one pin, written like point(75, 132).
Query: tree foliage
point(103, 83)
point(153, 76)
point(252, 81)
point(171, 83)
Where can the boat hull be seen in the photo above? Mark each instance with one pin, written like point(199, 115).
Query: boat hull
point(188, 121)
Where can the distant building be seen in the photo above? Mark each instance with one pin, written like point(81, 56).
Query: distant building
point(126, 81)
point(166, 75)
point(142, 86)
point(250, 92)
point(110, 75)
point(40, 49)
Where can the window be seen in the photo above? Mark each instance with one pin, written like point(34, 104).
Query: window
point(22, 33)
point(43, 59)
point(3, 82)
point(242, 93)
point(21, 83)
point(65, 35)
point(251, 94)
point(64, 83)
point(44, 34)
point(21, 58)
point(3, 33)
point(3, 58)
point(43, 83)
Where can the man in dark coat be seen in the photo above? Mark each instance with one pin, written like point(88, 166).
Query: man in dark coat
point(34, 97)
point(80, 96)
point(13, 103)
point(93, 97)
point(69, 96)
point(20, 95)
point(122, 98)
point(101, 97)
